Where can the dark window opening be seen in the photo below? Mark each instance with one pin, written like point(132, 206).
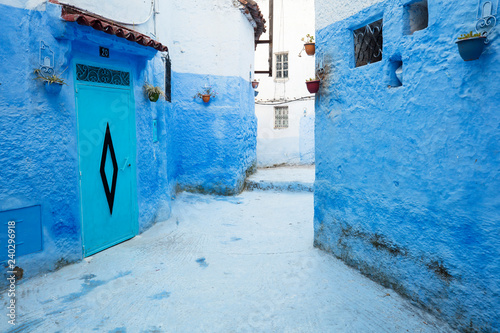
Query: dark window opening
point(168, 79)
point(416, 17)
point(368, 44)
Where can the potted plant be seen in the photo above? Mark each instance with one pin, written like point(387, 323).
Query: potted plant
point(255, 83)
point(53, 83)
point(313, 85)
point(309, 45)
point(153, 92)
point(206, 93)
point(470, 46)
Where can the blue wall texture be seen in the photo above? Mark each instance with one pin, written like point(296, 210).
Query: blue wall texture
point(203, 147)
point(215, 142)
point(407, 178)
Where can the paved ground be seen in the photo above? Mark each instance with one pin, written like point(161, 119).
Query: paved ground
point(220, 264)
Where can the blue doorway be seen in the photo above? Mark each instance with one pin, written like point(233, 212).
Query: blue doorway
point(107, 155)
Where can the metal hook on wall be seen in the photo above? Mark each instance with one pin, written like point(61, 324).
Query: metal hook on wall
point(486, 20)
point(46, 61)
point(320, 67)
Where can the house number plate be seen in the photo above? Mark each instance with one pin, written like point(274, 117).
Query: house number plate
point(104, 52)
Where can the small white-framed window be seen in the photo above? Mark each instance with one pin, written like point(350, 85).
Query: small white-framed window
point(281, 65)
point(280, 117)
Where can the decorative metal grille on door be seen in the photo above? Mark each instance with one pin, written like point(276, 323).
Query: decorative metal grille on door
point(102, 75)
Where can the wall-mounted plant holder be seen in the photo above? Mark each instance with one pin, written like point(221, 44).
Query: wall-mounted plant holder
point(486, 19)
point(313, 85)
point(255, 84)
point(310, 48)
point(471, 46)
point(255, 93)
point(53, 88)
point(45, 72)
point(46, 61)
point(153, 92)
point(322, 68)
point(309, 45)
point(206, 93)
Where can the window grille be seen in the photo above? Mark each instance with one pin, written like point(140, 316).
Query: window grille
point(368, 44)
point(102, 75)
point(282, 65)
point(280, 117)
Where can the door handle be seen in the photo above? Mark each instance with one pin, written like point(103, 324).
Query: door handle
point(125, 164)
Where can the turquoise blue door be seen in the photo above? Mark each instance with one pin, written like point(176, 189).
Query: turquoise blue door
point(106, 144)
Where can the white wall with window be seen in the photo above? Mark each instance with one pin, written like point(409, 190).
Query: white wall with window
point(292, 144)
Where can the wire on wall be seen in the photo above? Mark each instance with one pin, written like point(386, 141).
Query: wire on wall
point(279, 102)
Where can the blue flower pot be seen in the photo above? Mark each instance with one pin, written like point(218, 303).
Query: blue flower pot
point(471, 48)
point(255, 92)
point(53, 88)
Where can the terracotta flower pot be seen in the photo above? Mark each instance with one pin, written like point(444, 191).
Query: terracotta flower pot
point(206, 98)
point(255, 84)
point(310, 48)
point(471, 48)
point(153, 97)
point(313, 86)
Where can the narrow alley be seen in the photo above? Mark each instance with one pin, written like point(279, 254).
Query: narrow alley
point(219, 264)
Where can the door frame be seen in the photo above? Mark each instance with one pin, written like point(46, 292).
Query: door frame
point(132, 126)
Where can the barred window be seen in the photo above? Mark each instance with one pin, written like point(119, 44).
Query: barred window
point(368, 44)
point(282, 65)
point(280, 117)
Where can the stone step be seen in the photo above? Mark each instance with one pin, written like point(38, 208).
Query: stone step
point(285, 179)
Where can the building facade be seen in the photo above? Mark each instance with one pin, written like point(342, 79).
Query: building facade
point(407, 142)
point(93, 162)
point(284, 107)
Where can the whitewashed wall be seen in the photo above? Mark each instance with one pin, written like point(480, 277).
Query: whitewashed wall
point(204, 37)
point(209, 37)
point(293, 19)
point(328, 11)
point(28, 4)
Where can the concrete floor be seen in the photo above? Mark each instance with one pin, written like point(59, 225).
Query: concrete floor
point(220, 264)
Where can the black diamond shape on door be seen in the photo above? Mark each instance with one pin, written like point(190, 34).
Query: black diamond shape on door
point(110, 193)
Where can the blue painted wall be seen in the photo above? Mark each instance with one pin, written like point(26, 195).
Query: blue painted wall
point(407, 179)
point(214, 143)
point(38, 155)
point(207, 148)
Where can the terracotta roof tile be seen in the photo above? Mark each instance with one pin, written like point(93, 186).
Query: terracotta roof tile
point(73, 14)
point(254, 10)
